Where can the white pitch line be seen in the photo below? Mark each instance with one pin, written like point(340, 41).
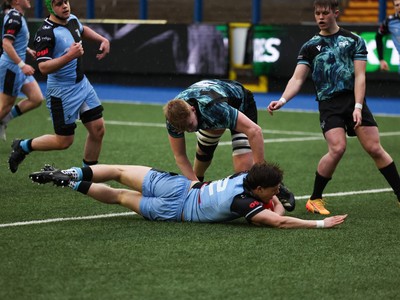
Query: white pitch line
point(375, 191)
point(162, 125)
point(35, 222)
point(103, 216)
point(288, 132)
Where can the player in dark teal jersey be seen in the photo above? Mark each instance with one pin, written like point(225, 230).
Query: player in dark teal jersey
point(391, 25)
point(69, 94)
point(209, 107)
point(15, 75)
point(163, 196)
point(336, 59)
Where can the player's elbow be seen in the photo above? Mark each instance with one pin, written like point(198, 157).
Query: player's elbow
point(43, 69)
point(255, 132)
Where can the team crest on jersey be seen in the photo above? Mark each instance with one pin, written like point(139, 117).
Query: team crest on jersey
point(343, 44)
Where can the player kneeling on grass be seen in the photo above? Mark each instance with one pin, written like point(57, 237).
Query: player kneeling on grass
point(164, 196)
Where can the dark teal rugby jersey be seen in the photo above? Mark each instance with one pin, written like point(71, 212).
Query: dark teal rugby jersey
point(331, 59)
point(217, 104)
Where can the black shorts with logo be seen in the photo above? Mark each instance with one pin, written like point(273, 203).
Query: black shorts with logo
point(338, 112)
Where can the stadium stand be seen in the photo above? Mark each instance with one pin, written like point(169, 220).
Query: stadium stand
point(363, 11)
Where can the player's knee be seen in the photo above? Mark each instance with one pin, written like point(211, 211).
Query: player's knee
point(99, 131)
point(338, 151)
point(36, 102)
point(376, 151)
point(64, 142)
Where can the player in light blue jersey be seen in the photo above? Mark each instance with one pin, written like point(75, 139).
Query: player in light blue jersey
point(15, 75)
point(208, 108)
point(391, 25)
point(69, 95)
point(336, 59)
point(162, 196)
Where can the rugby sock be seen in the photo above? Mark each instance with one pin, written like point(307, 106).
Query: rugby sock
point(26, 145)
point(320, 183)
point(87, 173)
point(15, 112)
point(86, 163)
point(392, 177)
point(74, 173)
point(80, 186)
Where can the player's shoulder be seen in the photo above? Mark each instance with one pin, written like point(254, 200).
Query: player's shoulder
point(347, 33)
point(15, 14)
point(47, 26)
point(74, 20)
point(393, 17)
point(73, 17)
point(14, 17)
point(315, 39)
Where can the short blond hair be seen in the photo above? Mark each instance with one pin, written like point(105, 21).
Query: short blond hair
point(177, 112)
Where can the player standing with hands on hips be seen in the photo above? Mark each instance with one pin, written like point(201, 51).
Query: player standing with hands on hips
point(69, 94)
point(337, 59)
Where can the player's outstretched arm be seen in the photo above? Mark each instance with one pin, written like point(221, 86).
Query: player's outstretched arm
point(293, 87)
point(270, 218)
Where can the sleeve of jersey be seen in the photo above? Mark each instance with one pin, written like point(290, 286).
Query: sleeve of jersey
point(13, 26)
point(234, 113)
point(303, 58)
point(246, 207)
point(361, 51)
point(43, 45)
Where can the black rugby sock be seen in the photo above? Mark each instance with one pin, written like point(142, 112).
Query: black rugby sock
point(320, 183)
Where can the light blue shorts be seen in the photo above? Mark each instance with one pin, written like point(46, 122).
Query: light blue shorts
point(12, 79)
point(164, 195)
point(74, 99)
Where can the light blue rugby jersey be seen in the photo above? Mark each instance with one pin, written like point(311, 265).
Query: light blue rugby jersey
point(212, 202)
point(16, 29)
point(53, 40)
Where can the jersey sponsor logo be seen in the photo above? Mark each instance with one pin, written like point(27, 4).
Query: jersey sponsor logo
point(78, 32)
point(42, 52)
point(14, 21)
point(43, 38)
point(343, 44)
point(10, 31)
point(253, 204)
